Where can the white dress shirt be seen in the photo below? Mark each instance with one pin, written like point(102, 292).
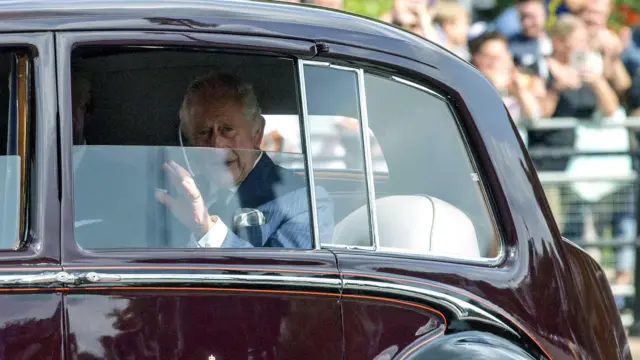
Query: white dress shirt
point(215, 236)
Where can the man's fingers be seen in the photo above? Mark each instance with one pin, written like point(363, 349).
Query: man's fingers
point(173, 175)
point(166, 200)
point(182, 180)
point(180, 170)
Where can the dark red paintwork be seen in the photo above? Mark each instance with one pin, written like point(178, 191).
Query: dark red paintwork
point(378, 328)
point(31, 326)
point(163, 324)
point(549, 294)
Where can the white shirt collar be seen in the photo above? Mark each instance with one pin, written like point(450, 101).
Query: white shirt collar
point(234, 188)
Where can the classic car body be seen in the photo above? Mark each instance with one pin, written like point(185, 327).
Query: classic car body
point(536, 297)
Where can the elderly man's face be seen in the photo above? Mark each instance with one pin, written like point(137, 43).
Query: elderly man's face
point(224, 125)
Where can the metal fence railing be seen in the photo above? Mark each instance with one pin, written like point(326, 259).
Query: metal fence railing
point(594, 201)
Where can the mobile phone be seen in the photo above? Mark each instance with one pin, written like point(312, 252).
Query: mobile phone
point(586, 60)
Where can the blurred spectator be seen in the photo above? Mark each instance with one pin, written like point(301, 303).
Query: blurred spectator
point(595, 15)
point(577, 88)
point(334, 4)
point(414, 16)
point(508, 21)
point(531, 46)
point(453, 19)
point(631, 54)
point(489, 53)
point(633, 97)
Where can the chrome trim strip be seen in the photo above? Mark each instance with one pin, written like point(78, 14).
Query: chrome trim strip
point(348, 247)
point(306, 149)
point(462, 309)
point(316, 63)
point(141, 279)
point(368, 165)
point(48, 277)
point(418, 87)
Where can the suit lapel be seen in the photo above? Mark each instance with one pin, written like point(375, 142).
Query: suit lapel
point(257, 188)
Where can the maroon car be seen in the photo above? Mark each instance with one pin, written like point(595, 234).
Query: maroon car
point(401, 219)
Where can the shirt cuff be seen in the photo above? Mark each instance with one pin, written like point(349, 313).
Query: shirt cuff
point(215, 237)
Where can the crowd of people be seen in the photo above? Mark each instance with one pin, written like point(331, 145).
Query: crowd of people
point(551, 60)
point(565, 64)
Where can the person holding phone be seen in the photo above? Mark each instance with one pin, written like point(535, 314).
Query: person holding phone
point(578, 87)
point(608, 44)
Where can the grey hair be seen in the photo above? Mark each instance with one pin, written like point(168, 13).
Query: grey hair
point(221, 87)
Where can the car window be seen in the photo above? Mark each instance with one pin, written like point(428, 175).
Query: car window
point(15, 74)
point(334, 125)
point(170, 145)
point(433, 201)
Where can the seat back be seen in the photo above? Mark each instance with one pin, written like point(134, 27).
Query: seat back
point(416, 224)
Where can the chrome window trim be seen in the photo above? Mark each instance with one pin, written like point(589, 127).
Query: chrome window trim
point(348, 247)
point(163, 278)
point(368, 164)
point(463, 310)
point(306, 150)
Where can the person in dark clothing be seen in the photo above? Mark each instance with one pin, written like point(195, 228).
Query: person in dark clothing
point(576, 88)
point(531, 45)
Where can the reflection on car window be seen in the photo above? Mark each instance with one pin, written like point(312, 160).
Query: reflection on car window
point(146, 179)
point(330, 142)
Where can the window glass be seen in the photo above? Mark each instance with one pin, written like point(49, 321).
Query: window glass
point(337, 148)
point(176, 149)
point(14, 134)
point(432, 201)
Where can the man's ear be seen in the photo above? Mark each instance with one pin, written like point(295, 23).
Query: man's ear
point(259, 132)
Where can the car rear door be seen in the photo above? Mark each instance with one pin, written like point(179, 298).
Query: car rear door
point(32, 319)
point(180, 303)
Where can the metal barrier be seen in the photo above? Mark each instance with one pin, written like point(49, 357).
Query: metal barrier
point(606, 226)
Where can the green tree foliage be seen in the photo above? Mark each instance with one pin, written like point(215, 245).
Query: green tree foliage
point(370, 8)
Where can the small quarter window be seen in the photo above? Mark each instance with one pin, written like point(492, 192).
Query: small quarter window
point(334, 126)
point(15, 130)
point(432, 202)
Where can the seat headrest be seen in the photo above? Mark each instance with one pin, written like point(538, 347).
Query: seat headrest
point(415, 224)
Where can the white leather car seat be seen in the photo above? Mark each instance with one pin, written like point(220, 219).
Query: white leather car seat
point(414, 224)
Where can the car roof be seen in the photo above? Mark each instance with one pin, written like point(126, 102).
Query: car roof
point(247, 17)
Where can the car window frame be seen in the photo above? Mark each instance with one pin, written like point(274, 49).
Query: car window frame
point(489, 205)
point(39, 242)
point(66, 41)
point(366, 152)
